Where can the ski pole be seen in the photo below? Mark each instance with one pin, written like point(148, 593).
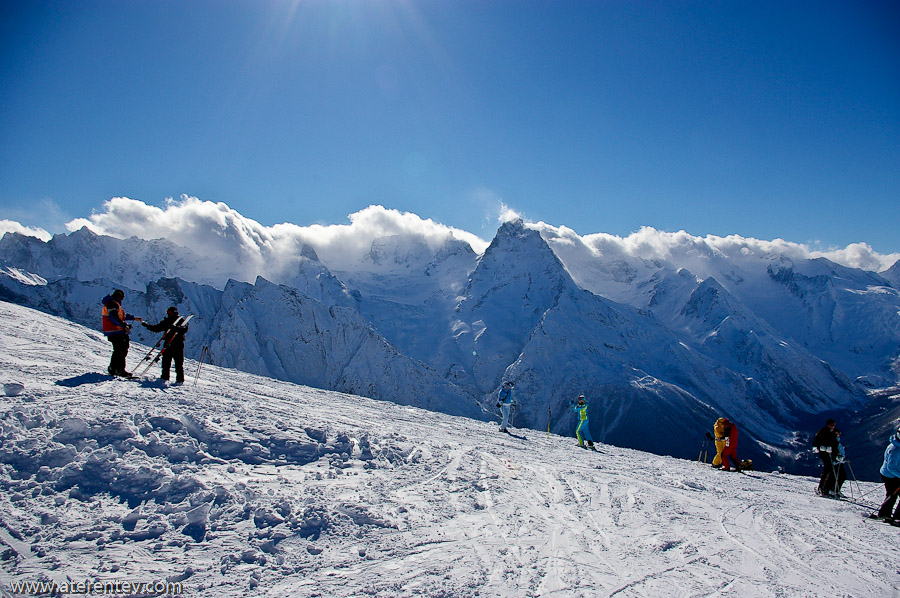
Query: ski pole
point(200, 363)
point(833, 477)
point(549, 415)
point(706, 442)
point(853, 480)
point(862, 494)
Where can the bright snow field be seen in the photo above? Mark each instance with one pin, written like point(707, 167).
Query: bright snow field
point(246, 486)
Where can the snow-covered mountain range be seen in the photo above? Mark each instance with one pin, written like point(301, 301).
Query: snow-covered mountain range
point(661, 344)
point(244, 486)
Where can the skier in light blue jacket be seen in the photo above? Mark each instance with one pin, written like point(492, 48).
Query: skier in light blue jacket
point(505, 403)
point(890, 474)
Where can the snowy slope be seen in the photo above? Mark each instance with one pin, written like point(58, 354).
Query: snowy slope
point(247, 486)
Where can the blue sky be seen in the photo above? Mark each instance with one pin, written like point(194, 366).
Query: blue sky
point(762, 119)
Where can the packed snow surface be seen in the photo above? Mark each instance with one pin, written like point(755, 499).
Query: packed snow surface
point(246, 486)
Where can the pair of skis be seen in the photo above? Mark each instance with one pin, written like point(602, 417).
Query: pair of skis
point(166, 339)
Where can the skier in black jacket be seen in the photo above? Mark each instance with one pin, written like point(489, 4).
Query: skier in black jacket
point(826, 443)
point(173, 347)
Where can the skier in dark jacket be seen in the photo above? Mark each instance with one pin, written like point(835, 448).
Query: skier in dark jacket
point(173, 346)
point(114, 323)
point(825, 442)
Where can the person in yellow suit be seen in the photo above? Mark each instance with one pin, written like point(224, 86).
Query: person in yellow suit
point(582, 433)
point(719, 435)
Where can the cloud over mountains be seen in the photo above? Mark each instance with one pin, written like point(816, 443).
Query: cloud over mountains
point(214, 229)
point(11, 226)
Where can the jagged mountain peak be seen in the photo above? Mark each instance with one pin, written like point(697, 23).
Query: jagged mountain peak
point(519, 270)
point(513, 226)
point(19, 250)
point(892, 274)
point(708, 296)
point(82, 233)
point(686, 274)
point(453, 248)
point(307, 251)
point(710, 305)
point(513, 230)
point(518, 247)
point(516, 281)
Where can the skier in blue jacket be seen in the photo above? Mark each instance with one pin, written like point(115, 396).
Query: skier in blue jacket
point(582, 433)
point(890, 474)
point(839, 458)
point(505, 403)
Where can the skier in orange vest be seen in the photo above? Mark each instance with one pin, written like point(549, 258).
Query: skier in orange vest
point(115, 327)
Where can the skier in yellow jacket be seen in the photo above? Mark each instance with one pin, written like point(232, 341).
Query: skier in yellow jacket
point(719, 435)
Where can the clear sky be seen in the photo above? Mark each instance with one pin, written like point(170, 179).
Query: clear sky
point(762, 119)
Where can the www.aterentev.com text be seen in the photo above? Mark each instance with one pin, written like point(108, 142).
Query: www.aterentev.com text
point(92, 587)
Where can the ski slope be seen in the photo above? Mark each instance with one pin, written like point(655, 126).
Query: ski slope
point(247, 486)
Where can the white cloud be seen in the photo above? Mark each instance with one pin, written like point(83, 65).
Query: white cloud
point(507, 214)
point(11, 226)
point(341, 245)
point(860, 255)
point(217, 231)
point(682, 248)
